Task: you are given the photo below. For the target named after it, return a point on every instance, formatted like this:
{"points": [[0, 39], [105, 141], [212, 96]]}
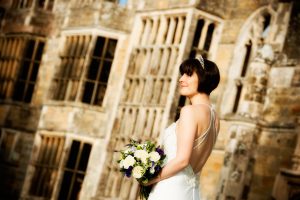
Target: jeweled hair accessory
{"points": [[201, 60]]}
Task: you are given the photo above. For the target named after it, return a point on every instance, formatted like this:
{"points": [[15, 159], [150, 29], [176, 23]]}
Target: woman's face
{"points": [[188, 85]]}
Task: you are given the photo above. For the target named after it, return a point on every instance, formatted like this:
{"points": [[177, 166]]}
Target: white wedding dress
{"points": [[185, 184]]}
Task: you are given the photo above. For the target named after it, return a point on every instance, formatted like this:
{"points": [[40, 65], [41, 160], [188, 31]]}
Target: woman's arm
{"points": [[187, 128]]}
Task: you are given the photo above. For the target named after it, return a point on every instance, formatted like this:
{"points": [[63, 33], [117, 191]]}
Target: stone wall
{"points": [[252, 145]]}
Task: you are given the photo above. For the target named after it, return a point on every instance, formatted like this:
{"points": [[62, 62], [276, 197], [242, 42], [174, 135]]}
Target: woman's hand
{"points": [[149, 183], [153, 181]]}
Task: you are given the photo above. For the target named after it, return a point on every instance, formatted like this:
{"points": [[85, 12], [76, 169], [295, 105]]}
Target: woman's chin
{"points": [[183, 93]]}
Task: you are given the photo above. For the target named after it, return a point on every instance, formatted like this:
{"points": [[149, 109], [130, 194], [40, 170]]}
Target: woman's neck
{"points": [[200, 98]]}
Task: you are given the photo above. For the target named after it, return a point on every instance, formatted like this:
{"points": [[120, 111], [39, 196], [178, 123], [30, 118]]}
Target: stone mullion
{"points": [[132, 121], [141, 59], [91, 41], [150, 120], [179, 30], [146, 32], [165, 91], [171, 31], [155, 60], [164, 61], [116, 179], [133, 64], [157, 123], [172, 60], [125, 188], [139, 32], [156, 89], [214, 41], [154, 30], [135, 95], [12, 47], [72, 55], [108, 182], [142, 90], [148, 90], [141, 122], [146, 63], [123, 122], [5, 65], [163, 28]]}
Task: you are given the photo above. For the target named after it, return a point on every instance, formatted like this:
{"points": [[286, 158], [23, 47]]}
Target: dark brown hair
{"points": [[208, 76]]}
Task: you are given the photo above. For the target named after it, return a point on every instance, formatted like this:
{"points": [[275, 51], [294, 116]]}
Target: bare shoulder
{"points": [[193, 111], [187, 111]]}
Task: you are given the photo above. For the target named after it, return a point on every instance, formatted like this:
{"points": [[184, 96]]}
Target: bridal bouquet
{"points": [[142, 161]]}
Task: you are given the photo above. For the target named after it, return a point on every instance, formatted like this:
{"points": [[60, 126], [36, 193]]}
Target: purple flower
{"points": [[152, 163], [157, 168], [128, 171], [159, 150]]}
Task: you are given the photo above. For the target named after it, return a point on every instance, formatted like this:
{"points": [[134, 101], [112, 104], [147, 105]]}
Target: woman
{"points": [[189, 141]]}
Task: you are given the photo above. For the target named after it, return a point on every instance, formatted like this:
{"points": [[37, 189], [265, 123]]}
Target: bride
{"points": [[189, 141]]}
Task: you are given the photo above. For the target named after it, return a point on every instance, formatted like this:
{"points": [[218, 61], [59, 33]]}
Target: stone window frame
{"points": [[250, 31], [8, 151], [94, 34], [97, 3], [47, 5], [56, 180], [12, 66], [215, 38], [75, 172]]}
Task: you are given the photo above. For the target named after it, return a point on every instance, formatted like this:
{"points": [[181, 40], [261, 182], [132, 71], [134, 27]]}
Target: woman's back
{"points": [[205, 137]]}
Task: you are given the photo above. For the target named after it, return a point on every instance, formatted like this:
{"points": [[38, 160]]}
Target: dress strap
{"points": [[202, 137]]}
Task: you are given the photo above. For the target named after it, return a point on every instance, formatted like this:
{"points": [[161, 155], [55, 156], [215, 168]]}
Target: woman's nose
{"points": [[182, 78]]}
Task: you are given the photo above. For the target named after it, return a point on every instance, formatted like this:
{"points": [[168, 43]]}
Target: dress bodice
{"points": [[169, 142]]}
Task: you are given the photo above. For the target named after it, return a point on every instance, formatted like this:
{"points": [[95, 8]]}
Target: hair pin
{"points": [[201, 60]]}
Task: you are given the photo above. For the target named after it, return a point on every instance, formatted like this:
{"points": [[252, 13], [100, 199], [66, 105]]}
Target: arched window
{"points": [[239, 86], [266, 25]]}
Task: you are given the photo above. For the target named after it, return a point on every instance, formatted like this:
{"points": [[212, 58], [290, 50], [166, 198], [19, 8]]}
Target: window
{"points": [[81, 82], [47, 166], [120, 2], [42, 4], [45, 4], [2, 13], [202, 38], [20, 58], [7, 145], [239, 84], [75, 170]]}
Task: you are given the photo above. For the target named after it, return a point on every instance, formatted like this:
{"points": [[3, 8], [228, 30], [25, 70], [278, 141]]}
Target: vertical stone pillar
{"points": [[238, 162]]}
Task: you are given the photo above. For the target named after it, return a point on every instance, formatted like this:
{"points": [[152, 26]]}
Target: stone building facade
{"points": [[80, 78]]}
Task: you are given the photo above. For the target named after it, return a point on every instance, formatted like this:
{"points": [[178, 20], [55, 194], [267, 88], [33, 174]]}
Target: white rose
{"points": [[152, 170], [129, 161], [121, 164], [137, 172], [142, 154], [127, 151], [154, 156]]}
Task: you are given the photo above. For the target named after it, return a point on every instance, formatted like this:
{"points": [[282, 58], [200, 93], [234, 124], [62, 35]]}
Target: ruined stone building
{"points": [[80, 78]]}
